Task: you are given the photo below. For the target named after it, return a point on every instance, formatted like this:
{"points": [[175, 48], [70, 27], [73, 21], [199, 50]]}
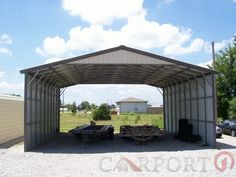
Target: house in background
{"points": [[132, 105]]}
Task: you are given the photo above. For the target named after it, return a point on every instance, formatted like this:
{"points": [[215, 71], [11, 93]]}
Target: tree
{"points": [[232, 108], [226, 79], [74, 108], [93, 106], [101, 113], [85, 105]]}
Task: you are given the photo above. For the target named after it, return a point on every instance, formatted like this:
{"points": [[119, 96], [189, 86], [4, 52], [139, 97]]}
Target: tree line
{"points": [[225, 65], [101, 112]]}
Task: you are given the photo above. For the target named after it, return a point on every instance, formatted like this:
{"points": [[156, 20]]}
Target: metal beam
{"points": [[32, 79], [174, 74], [61, 75]]}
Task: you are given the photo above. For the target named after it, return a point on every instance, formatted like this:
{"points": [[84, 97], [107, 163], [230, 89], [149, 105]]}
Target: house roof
{"points": [[131, 100], [118, 65]]}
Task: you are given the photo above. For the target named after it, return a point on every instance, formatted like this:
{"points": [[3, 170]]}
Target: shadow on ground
{"points": [[226, 142], [67, 143], [11, 143]]}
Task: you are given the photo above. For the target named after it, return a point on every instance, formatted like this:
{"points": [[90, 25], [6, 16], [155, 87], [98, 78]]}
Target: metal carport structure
{"points": [[188, 90]]}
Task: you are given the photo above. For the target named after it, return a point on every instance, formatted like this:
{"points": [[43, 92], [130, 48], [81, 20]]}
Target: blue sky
{"points": [[36, 32]]}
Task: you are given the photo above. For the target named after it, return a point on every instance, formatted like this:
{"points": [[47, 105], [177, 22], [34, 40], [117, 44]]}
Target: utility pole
{"points": [[213, 54], [214, 79]]}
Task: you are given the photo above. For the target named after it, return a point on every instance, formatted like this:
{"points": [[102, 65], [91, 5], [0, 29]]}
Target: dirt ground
{"points": [[64, 155]]}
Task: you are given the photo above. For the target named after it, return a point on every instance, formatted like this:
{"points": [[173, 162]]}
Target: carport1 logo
{"points": [[222, 161]]}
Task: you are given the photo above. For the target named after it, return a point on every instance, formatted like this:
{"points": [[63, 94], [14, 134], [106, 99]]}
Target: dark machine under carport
{"points": [[89, 132], [141, 133]]}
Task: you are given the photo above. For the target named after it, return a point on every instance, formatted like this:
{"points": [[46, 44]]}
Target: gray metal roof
{"points": [[131, 100], [119, 65]]}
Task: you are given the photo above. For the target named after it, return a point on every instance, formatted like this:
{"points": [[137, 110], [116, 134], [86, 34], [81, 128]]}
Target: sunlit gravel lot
{"points": [[165, 156]]}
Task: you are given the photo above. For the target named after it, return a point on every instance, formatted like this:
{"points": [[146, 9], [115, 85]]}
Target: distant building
{"points": [[155, 109], [132, 105], [64, 110]]}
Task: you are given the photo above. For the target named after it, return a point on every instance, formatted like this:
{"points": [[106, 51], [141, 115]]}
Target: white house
{"points": [[132, 105]]}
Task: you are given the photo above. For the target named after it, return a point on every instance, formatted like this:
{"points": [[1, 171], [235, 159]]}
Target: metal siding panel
{"points": [[202, 130], [177, 107], [197, 106], [27, 114], [51, 112], [200, 87], [188, 110], [58, 110], [209, 90], [194, 123], [210, 109], [190, 101], [185, 111], [214, 107], [205, 104], [169, 110], [201, 107], [194, 110], [211, 133], [121, 57], [11, 119], [37, 113], [164, 108], [173, 109]]}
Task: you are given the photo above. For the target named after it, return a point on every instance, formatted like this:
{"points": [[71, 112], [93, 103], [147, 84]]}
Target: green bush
{"points": [[101, 113], [74, 109], [137, 119]]}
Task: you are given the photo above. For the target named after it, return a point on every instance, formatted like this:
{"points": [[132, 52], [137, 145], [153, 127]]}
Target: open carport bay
{"points": [[64, 155], [188, 90]]}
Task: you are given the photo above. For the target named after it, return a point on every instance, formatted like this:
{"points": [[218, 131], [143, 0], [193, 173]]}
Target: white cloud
{"points": [[11, 82], [137, 32], [206, 64], [103, 11], [5, 39], [2, 73], [51, 60], [5, 51], [176, 49], [16, 88], [52, 46], [162, 2]]}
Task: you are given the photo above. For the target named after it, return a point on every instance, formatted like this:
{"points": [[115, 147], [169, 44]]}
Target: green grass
{"points": [[69, 122]]}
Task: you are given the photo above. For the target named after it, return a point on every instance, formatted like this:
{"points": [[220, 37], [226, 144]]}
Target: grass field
{"points": [[69, 122]]}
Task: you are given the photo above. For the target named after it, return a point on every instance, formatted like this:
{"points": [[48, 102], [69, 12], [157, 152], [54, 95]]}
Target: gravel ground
{"points": [[66, 156]]}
